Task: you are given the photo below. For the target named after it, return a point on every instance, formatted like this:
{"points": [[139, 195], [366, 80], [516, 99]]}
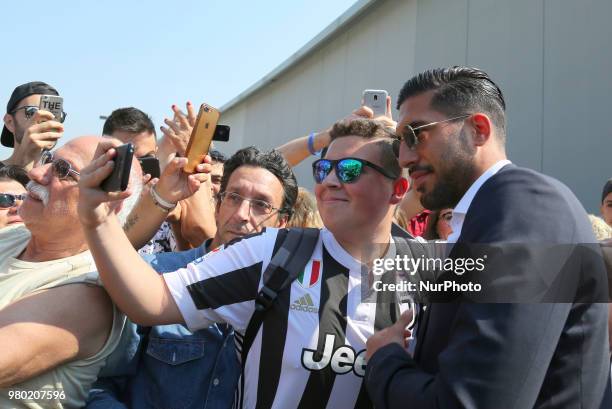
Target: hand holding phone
{"points": [[376, 100], [150, 165], [53, 104], [120, 176], [201, 136]]}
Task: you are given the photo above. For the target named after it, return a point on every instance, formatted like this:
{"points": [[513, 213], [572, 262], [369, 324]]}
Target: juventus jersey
{"points": [[310, 350]]}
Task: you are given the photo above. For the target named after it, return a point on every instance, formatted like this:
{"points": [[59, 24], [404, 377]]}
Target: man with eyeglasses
{"points": [[257, 190], [536, 336], [28, 130], [57, 324]]}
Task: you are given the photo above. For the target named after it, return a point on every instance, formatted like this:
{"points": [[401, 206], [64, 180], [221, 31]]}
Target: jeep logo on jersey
{"points": [[342, 360], [310, 277]]}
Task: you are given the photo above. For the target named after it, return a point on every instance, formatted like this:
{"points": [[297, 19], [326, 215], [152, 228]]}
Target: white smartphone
{"points": [[53, 104], [375, 99]]}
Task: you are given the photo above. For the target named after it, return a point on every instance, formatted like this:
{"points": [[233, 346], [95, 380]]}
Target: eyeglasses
{"points": [[411, 135], [256, 206], [30, 110], [347, 170], [8, 200], [61, 168]]}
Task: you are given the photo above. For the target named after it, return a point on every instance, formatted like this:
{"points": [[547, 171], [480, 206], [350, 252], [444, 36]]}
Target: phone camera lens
{"points": [[375, 97], [206, 109]]}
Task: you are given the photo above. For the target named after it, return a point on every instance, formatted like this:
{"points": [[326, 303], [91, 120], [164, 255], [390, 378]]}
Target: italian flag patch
{"points": [[308, 278]]}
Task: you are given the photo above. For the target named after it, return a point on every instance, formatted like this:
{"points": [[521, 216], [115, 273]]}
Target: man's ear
{"points": [[400, 187], [9, 121], [282, 221], [483, 128]]}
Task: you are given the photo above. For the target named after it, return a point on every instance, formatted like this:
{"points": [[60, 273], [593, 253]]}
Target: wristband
{"points": [[311, 145], [160, 202]]}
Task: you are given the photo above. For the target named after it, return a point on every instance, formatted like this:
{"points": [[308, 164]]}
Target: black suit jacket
{"points": [[510, 355]]}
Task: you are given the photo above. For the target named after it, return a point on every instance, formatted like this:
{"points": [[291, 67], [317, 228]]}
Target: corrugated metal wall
{"points": [[552, 59]]}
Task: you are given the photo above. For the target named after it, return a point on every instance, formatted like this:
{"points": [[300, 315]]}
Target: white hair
{"points": [[129, 203]]}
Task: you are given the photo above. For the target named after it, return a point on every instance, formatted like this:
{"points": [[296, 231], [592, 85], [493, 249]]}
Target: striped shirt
{"points": [[310, 350]]}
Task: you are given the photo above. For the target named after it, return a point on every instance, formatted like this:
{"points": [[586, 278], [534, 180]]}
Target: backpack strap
{"points": [[284, 267]]}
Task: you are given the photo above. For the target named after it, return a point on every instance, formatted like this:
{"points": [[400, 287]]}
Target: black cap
{"points": [[606, 190], [21, 92]]}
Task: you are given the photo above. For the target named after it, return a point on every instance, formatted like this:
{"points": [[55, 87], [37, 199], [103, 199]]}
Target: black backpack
{"points": [[285, 266]]}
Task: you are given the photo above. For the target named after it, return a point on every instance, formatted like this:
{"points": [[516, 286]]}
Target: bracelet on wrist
{"points": [[311, 148], [160, 202]]}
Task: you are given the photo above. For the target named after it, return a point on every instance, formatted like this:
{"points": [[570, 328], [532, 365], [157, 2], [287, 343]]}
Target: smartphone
{"points": [[201, 136], [222, 133], [53, 104], [375, 99], [150, 165], [119, 178]]}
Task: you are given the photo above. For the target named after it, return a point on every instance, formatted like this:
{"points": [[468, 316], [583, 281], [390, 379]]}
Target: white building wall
{"points": [[552, 59]]}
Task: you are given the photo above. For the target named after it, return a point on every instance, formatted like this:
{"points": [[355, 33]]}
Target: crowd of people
{"points": [[182, 291]]}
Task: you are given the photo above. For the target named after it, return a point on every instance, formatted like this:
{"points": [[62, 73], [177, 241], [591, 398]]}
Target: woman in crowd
{"points": [[305, 213], [438, 225]]}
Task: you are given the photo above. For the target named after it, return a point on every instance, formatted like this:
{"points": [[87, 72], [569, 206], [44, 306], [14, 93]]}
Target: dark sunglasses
{"points": [[8, 200], [61, 168], [411, 135], [347, 170], [30, 110]]}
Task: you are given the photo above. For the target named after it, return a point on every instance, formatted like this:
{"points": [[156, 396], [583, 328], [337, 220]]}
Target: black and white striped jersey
{"points": [[310, 350]]}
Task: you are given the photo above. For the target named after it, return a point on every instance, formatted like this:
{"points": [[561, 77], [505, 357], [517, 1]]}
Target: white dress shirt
{"points": [[462, 207]]}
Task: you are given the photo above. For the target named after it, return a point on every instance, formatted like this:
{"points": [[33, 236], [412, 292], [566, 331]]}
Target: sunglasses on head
{"points": [[30, 110], [61, 168], [411, 135], [347, 170], [8, 200]]}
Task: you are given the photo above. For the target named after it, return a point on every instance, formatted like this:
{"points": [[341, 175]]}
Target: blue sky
{"points": [[150, 54]]}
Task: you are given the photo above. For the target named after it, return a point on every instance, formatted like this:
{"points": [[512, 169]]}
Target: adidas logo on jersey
{"points": [[305, 304]]}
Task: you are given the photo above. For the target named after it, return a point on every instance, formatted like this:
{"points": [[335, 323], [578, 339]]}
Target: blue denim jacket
{"points": [[179, 369]]}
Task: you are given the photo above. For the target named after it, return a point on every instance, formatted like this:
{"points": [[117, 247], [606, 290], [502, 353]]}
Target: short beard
{"points": [[18, 134], [454, 175]]}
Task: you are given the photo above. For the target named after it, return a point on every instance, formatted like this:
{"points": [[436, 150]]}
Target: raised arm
{"points": [[197, 219], [296, 150], [134, 286]]}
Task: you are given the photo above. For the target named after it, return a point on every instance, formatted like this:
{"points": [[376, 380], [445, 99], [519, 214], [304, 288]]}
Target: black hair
{"points": [[217, 156], [459, 91], [130, 119], [273, 162], [606, 190], [15, 173]]}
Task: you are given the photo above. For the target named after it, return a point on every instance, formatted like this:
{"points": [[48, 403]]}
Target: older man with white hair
{"points": [[57, 324]]}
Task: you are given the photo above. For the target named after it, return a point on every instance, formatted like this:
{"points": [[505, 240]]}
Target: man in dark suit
{"points": [[509, 354]]}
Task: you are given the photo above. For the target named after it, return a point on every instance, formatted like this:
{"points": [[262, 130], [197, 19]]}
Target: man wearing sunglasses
{"points": [[515, 351], [26, 129], [57, 324], [12, 192]]}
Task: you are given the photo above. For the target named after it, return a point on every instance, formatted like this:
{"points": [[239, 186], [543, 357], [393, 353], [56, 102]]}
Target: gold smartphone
{"points": [[201, 136]]}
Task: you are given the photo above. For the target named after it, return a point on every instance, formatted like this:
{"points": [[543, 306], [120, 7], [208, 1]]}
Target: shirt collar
{"points": [[462, 207]]}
